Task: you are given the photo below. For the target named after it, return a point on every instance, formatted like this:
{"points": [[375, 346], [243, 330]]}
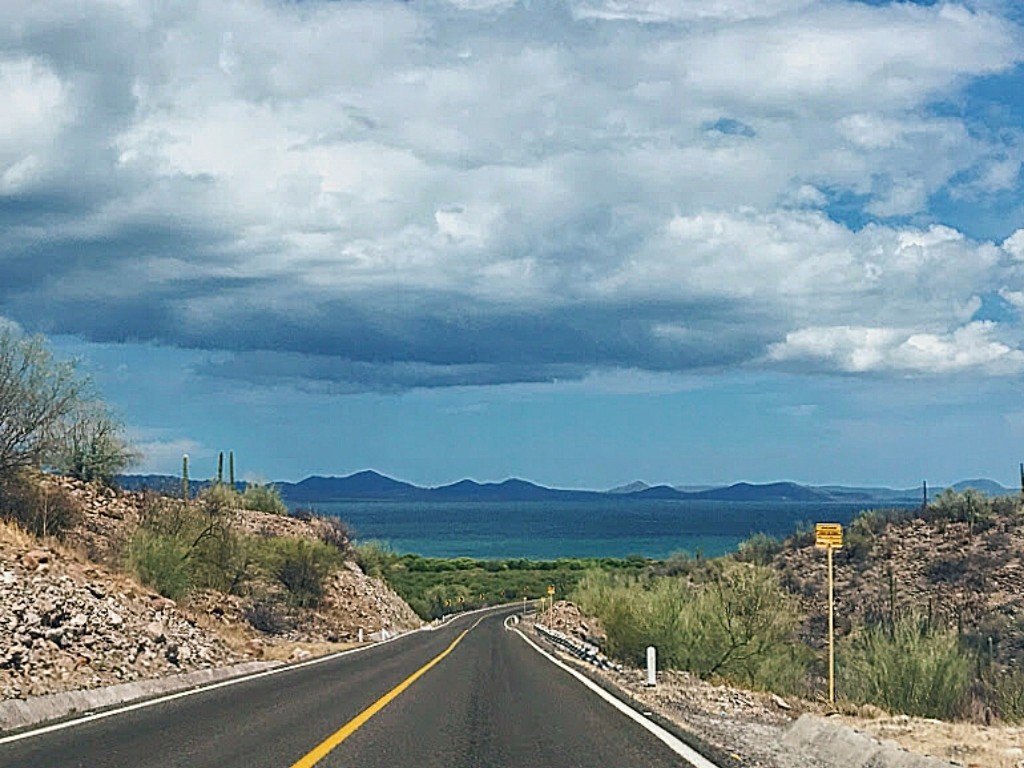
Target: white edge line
{"points": [[231, 681], [683, 750]]}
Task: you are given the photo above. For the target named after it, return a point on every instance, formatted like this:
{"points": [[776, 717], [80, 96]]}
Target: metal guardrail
{"points": [[581, 650]]}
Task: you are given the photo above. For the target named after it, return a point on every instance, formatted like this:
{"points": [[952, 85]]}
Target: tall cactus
{"points": [[924, 494], [184, 478], [1022, 479], [220, 468], [231, 467]]}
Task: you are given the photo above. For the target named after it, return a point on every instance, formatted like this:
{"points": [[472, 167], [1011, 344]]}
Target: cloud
{"points": [[33, 108], [9, 326], [684, 10], [865, 349], [160, 450], [358, 196]]}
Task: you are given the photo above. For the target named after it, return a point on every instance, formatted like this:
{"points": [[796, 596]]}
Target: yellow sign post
{"points": [[551, 602], [829, 536]]}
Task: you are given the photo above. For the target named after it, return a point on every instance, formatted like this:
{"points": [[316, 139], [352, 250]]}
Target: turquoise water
{"points": [[546, 530]]}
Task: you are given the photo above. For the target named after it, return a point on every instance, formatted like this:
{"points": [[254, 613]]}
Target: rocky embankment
{"points": [[71, 618], [65, 624]]}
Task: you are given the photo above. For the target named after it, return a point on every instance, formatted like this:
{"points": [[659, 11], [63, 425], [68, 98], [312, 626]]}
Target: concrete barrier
{"points": [[841, 746], [21, 713]]}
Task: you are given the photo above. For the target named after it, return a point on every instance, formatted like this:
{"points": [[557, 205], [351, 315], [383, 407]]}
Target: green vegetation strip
{"points": [[437, 586]]}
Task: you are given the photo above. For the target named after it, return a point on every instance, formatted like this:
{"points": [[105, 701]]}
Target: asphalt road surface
{"points": [[469, 695]]}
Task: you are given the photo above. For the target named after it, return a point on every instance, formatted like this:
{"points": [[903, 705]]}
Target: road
{"points": [[471, 694]]}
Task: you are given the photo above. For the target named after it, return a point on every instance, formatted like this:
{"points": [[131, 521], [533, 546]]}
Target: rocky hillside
{"points": [[962, 569], [66, 623], [72, 615]]}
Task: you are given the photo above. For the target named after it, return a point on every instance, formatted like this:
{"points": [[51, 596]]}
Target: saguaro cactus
{"points": [[184, 478], [220, 467], [231, 467]]}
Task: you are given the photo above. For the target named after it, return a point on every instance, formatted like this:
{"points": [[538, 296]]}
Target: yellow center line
{"points": [[327, 745]]}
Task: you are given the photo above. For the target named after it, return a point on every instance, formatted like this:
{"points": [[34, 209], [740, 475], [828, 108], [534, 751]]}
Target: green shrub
{"points": [[375, 557], [224, 561], [971, 507], [448, 598], [212, 554], [759, 549], [908, 667], [219, 498], [301, 567], [738, 624], [160, 561], [264, 498], [1007, 695]]}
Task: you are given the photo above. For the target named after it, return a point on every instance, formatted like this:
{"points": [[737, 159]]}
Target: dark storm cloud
{"points": [[384, 196]]}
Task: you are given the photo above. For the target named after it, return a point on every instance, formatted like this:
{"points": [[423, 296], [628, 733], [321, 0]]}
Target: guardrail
{"points": [[581, 650]]}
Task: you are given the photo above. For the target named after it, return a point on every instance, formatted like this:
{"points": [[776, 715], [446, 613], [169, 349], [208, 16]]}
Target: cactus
{"points": [[220, 468], [184, 478], [892, 598], [1022, 479], [924, 494], [231, 467]]}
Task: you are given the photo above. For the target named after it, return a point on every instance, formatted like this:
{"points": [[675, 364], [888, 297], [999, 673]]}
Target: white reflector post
{"points": [[652, 666]]}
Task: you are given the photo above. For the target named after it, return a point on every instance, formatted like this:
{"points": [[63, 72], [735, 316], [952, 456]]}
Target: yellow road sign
{"points": [[828, 535], [551, 589]]}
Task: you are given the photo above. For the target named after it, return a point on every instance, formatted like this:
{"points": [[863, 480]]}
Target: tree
{"points": [[37, 396], [49, 416], [92, 447]]}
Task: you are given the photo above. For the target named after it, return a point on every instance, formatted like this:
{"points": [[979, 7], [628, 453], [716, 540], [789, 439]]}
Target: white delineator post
{"points": [[360, 634], [652, 666]]}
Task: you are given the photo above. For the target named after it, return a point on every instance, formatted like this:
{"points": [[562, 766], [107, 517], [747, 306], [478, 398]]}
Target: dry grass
{"points": [[14, 536], [238, 637], [285, 651], [966, 743]]}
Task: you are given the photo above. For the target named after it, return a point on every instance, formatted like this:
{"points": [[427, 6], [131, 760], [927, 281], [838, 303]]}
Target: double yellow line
{"points": [[325, 747]]}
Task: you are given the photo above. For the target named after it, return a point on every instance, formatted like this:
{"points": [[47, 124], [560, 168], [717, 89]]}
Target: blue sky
{"points": [[582, 242]]}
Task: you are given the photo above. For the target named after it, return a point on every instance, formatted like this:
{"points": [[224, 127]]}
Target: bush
{"points": [[375, 557], [224, 561], [301, 567], [971, 507], [908, 667], [219, 498], [759, 549], [160, 561], [209, 552], [738, 624], [41, 510], [1007, 696], [334, 533], [264, 498], [448, 598], [267, 616]]}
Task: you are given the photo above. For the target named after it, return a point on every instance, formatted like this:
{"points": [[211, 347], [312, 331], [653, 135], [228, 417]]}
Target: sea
{"points": [[549, 530]]}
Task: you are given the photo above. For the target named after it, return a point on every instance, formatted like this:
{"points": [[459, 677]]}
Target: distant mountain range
{"points": [[373, 486]]}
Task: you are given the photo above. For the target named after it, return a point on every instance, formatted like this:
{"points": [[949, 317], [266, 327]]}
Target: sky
{"points": [[582, 242]]}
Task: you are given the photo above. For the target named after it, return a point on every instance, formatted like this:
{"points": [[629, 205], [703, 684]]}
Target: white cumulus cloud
{"points": [[865, 349]]}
